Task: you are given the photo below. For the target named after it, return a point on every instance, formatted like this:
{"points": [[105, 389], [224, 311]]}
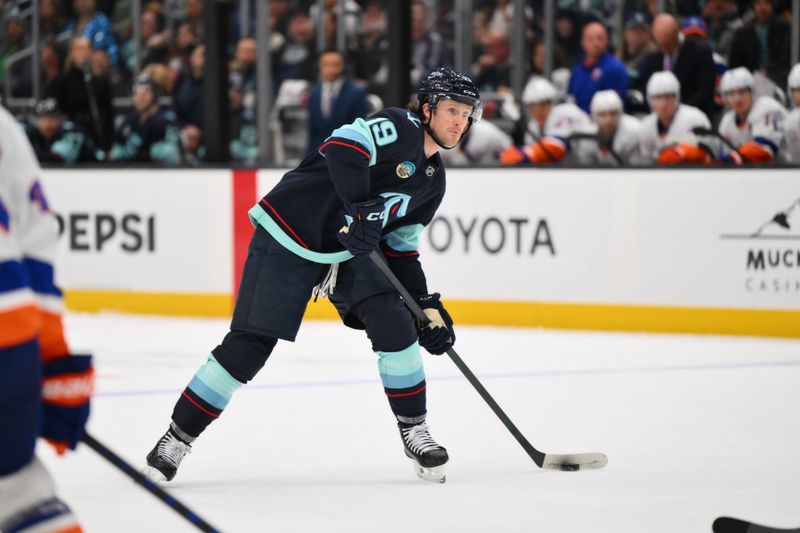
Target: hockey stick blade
{"points": [[571, 462], [725, 524], [566, 462]]}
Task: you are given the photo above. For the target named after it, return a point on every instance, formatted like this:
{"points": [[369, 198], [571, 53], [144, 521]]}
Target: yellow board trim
{"points": [[640, 318]]}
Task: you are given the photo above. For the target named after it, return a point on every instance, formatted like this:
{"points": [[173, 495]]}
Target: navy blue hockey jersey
{"points": [[380, 156]]}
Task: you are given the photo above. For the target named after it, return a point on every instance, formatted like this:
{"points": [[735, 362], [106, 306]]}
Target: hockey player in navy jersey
{"points": [[373, 184]]}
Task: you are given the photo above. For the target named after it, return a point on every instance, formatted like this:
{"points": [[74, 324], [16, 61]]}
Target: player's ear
{"points": [[426, 112]]}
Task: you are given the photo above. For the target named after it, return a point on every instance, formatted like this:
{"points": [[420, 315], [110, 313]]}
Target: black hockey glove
{"points": [[364, 233], [438, 336]]}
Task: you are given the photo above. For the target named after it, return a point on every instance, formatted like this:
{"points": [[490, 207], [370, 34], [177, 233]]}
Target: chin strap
{"points": [[427, 126]]}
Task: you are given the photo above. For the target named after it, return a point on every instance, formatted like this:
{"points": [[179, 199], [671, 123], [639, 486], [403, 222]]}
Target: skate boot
{"points": [[428, 457], [165, 457]]}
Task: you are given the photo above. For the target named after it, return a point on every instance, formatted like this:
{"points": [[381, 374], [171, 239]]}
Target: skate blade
{"points": [[432, 475], [153, 474]]}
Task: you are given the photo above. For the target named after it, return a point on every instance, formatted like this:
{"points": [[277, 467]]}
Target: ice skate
{"points": [[165, 457], [428, 457]]}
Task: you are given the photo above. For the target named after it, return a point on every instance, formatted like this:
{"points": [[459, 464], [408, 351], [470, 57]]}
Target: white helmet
{"points": [[604, 101], [794, 78], [663, 82], [738, 78], [539, 90]]}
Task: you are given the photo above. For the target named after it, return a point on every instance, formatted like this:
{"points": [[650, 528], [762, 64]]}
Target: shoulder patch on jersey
{"points": [[430, 170], [405, 169], [415, 120]]}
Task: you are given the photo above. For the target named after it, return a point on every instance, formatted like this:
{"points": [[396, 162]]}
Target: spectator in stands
{"points": [[160, 75], [537, 58], [194, 16], [689, 60], [244, 62], [763, 44], [85, 95], [296, 57], [101, 67], [501, 17], [51, 19], [722, 20], [567, 41], [52, 63], [334, 101], [372, 63], [188, 96], [56, 140], [154, 45], [18, 73], [192, 149], [493, 67], [182, 46], [428, 49], [598, 70], [244, 138], [667, 134], [148, 134], [95, 26], [637, 44], [352, 14]]}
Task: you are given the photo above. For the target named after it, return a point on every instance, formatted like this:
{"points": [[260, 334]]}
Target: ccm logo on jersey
{"points": [[372, 217]]}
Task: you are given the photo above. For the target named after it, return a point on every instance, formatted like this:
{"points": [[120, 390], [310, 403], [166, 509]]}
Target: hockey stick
{"points": [[699, 130], [148, 485], [724, 524], [569, 462], [596, 138]]}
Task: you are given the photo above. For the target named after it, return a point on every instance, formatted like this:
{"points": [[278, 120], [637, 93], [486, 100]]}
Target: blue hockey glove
{"points": [[438, 336], [364, 233], [66, 390]]}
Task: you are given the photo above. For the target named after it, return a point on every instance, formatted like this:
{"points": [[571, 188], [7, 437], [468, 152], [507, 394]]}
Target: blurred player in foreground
{"points": [[373, 184], [44, 391]]}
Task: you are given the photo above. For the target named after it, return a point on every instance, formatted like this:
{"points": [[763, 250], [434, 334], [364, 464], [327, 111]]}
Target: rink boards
{"points": [[693, 250]]}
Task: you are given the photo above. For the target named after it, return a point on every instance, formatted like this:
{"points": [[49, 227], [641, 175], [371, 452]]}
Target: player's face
{"points": [[664, 106], [449, 121], [607, 122], [540, 111], [796, 96], [739, 100]]}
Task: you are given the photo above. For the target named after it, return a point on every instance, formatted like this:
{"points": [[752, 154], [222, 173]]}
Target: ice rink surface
{"points": [[694, 428]]}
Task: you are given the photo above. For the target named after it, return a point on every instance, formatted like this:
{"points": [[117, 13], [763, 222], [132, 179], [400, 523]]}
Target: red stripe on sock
{"points": [[206, 411], [402, 394]]}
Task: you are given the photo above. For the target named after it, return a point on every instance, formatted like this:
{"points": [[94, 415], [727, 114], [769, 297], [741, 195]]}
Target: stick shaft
{"points": [[148, 485], [410, 301]]}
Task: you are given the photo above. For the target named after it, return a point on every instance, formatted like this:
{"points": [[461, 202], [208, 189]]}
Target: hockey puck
{"points": [[570, 467]]}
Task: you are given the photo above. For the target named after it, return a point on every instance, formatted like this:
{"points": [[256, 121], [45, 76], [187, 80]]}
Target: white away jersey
{"points": [[481, 146], [763, 124], [791, 136], [625, 145], [654, 138]]}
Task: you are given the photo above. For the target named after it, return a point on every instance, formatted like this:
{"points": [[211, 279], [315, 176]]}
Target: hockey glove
{"points": [[364, 233], [67, 388], [438, 336]]}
